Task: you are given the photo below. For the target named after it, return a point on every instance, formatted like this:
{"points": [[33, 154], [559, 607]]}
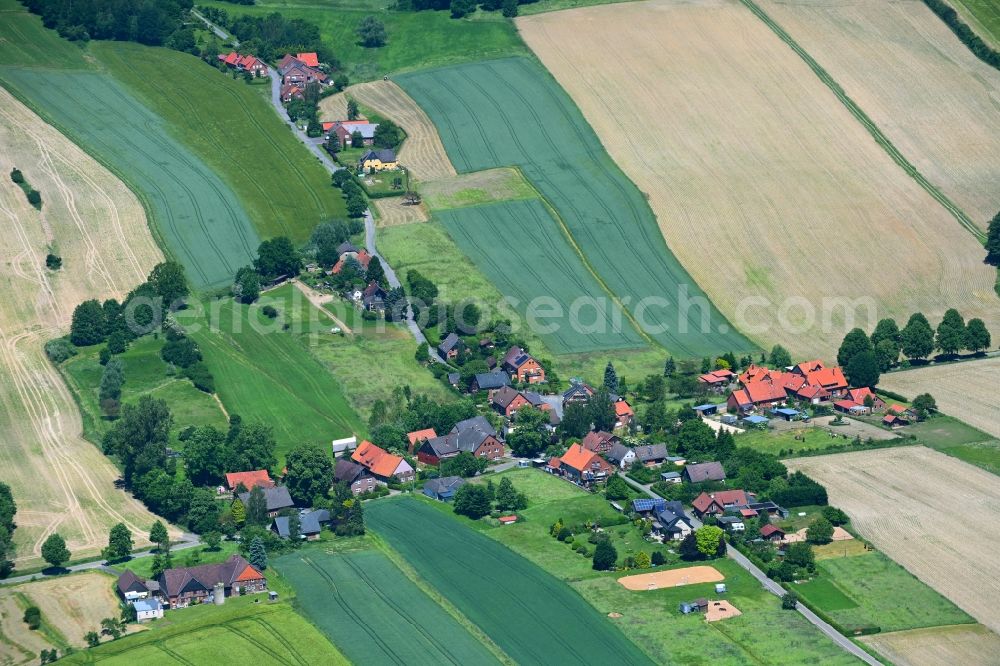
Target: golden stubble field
{"points": [[935, 100], [957, 644], [931, 513], [966, 390], [60, 481], [772, 195]]}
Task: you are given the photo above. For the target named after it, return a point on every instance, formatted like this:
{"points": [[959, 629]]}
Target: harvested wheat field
{"points": [[671, 578], [739, 145], [392, 212], [71, 606], [966, 390], [934, 99], [60, 481], [929, 512], [422, 152], [720, 610], [957, 644]]}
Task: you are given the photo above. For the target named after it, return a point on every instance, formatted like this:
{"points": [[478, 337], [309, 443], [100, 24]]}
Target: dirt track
{"points": [[739, 145], [60, 481], [929, 512]]}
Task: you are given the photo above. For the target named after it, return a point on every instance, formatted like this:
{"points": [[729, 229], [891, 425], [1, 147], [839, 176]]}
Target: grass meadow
{"points": [[530, 615], [872, 590], [374, 613], [510, 112], [415, 39], [985, 15]]}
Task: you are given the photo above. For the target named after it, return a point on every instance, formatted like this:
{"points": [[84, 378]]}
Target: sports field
{"points": [[374, 613], [765, 207], [962, 644], [532, 616], [234, 130], [241, 631], [510, 112], [263, 373], [60, 481], [933, 98], [903, 501], [540, 271], [870, 590], [964, 390]]}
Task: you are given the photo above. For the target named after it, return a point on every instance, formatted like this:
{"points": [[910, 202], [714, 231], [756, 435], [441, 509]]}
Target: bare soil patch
{"points": [[934, 99], [61, 482], [967, 391], [422, 152], [958, 644], [720, 610], [671, 578], [925, 510], [735, 140]]}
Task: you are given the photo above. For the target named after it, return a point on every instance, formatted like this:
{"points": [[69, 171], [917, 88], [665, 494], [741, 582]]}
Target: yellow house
{"points": [[378, 160]]}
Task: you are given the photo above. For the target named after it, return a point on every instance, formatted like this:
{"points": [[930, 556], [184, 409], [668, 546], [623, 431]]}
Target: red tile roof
{"points": [[379, 461], [721, 497], [259, 477], [810, 392], [764, 392], [420, 435], [362, 256], [828, 378], [770, 530], [578, 457], [622, 409]]}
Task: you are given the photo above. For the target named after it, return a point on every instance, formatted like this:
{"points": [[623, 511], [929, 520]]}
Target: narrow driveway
{"points": [[187, 541], [219, 32], [776, 589]]}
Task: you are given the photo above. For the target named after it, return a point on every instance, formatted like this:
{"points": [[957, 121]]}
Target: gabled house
{"points": [[418, 436], [621, 455], [344, 131], [277, 499], [310, 59], [506, 400], [812, 394], [583, 466], [716, 503], [860, 395], [361, 256], [443, 489], [294, 71], [578, 391], [451, 346], [772, 533], [260, 477], [310, 525], [898, 416], [651, 455], [623, 413], [475, 436], [290, 91], [701, 472], [600, 442], [717, 379], [383, 159], [672, 522], [851, 407], [148, 609], [755, 394], [817, 374], [383, 465], [182, 586], [522, 366], [245, 63], [490, 381], [355, 475], [131, 588], [373, 297]]}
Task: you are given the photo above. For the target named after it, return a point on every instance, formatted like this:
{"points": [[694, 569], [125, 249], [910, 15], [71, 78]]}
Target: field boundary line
{"points": [[413, 576], [862, 117]]}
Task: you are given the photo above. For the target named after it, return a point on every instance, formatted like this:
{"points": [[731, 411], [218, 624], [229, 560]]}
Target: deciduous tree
{"points": [[855, 342], [779, 357], [257, 508], [169, 282], [820, 532], [472, 500], [616, 488], [605, 556], [87, 326], [950, 333], [158, 535], [119, 543], [707, 539], [862, 369], [54, 550], [309, 475], [205, 455], [917, 337], [993, 241], [508, 498], [529, 436], [977, 337]]}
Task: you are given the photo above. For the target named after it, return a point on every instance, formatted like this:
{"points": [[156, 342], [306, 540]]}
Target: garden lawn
{"points": [[532, 616], [233, 129], [262, 372], [146, 373], [374, 613], [246, 630], [416, 39], [511, 112], [875, 591], [783, 443]]}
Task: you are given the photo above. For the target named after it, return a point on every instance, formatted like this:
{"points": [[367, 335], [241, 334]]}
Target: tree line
{"points": [[150, 22], [981, 49]]}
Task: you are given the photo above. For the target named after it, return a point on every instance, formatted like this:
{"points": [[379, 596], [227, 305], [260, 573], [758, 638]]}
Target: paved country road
{"points": [[774, 588]]}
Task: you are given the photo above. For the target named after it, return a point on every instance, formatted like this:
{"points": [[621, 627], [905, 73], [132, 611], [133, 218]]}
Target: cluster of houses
{"points": [[184, 586], [297, 71], [245, 63]]}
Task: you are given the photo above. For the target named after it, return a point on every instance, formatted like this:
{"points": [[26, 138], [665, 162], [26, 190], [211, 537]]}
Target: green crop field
{"points": [[540, 267], [416, 39], [262, 372], [374, 613], [511, 112], [240, 632], [233, 129], [983, 16], [532, 616], [145, 374], [872, 590]]}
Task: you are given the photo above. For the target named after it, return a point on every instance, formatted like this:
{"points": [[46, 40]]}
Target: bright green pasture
{"points": [[985, 18], [511, 112], [374, 613], [233, 129], [532, 616]]}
